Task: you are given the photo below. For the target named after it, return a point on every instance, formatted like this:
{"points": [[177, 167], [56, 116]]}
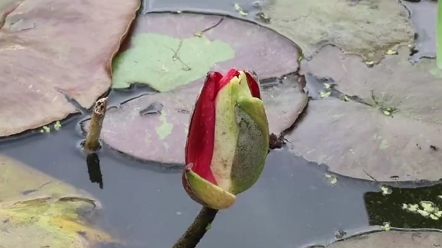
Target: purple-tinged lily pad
{"points": [[51, 47], [399, 132], [154, 127], [392, 239], [171, 50]]}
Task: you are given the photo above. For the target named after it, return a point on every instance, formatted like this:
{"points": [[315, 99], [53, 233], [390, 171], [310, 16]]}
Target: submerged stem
{"points": [[92, 142], [196, 231], [439, 35]]}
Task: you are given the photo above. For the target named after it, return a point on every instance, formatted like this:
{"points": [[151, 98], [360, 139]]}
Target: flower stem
{"points": [[92, 142], [196, 231], [439, 35]]}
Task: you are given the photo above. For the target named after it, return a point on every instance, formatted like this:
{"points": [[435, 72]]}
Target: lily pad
{"points": [[355, 138], [171, 50], [54, 48], [392, 239], [368, 28], [154, 127], [39, 211]]}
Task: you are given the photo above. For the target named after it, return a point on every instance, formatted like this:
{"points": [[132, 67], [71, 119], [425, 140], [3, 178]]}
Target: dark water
{"points": [[292, 205]]}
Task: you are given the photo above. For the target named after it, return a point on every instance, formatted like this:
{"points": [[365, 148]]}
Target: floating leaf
{"points": [[39, 211], [391, 239], [343, 131], [54, 46], [366, 29], [161, 135]]}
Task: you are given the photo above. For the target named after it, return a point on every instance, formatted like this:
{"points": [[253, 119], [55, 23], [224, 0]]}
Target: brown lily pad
{"points": [[399, 134], [392, 239], [51, 48], [39, 211], [368, 28]]}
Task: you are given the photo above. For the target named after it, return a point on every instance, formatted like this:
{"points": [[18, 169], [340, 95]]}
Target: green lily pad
{"points": [[355, 138], [39, 211], [367, 28], [50, 49], [170, 50], [392, 239]]}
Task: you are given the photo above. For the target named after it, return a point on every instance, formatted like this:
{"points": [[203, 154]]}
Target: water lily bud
{"points": [[228, 139]]}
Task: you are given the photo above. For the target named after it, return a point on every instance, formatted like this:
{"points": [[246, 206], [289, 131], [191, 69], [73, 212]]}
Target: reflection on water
{"points": [[94, 170]]}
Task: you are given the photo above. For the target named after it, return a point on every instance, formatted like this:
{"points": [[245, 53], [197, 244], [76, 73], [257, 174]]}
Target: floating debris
{"points": [[369, 63], [388, 111], [240, 10], [386, 190], [425, 209], [300, 57], [57, 125], [261, 16], [386, 227], [45, 129], [208, 226], [429, 206], [325, 94], [391, 52], [340, 234], [332, 179]]}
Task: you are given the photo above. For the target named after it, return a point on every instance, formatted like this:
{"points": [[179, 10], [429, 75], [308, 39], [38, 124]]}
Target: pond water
{"points": [[295, 203]]}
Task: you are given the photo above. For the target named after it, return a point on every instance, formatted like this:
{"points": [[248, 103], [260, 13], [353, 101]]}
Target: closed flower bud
{"points": [[228, 139]]}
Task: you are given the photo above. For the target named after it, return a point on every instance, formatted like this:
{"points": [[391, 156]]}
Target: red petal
{"points": [[201, 136], [253, 86], [226, 79]]}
